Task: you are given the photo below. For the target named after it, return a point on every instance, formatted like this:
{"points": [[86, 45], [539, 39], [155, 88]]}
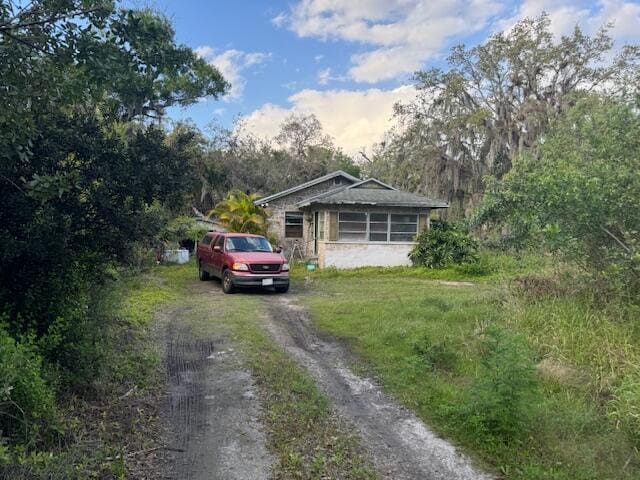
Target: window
{"points": [[352, 226], [293, 224], [379, 227], [248, 244], [320, 225], [207, 239], [403, 228], [219, 241]]}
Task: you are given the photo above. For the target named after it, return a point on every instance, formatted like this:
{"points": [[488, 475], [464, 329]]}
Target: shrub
{"points": [[437, 355], [444, 244], [27, 402], [502, 401]]}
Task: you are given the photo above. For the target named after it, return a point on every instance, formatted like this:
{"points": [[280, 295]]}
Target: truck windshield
{"points": [[248, 244]]}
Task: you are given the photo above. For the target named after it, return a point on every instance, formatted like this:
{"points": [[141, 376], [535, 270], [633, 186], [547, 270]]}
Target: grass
{"points": [[426, 342], [492, 268]]}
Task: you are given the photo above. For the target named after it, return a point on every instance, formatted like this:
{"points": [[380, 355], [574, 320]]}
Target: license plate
{"points": [[267, 282]]}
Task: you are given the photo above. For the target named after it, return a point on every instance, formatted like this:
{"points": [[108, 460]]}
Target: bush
{"points": [[27, 402], [437, 355], [502, 401], [444, 244]]}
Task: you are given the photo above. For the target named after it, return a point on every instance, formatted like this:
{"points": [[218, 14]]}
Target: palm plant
{"points": [[239, 213]]}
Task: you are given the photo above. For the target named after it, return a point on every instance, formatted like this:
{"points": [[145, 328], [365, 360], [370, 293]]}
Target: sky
{"points": [[349, 61]]}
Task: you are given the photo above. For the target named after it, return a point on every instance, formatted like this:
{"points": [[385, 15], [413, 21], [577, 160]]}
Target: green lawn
{"points": [[567, 374]]}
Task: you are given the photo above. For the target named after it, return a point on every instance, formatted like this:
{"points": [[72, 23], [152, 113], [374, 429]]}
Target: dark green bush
{"points": [[444, 244], [502, 402], [27, 402]]}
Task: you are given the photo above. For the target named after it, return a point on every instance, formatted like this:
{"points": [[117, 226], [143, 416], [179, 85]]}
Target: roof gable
{"points": [[310, 183], [372, 183]]}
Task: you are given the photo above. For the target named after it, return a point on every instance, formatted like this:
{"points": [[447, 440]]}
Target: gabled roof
{"points": [[310, 183], [362, 183], [386, 196]]}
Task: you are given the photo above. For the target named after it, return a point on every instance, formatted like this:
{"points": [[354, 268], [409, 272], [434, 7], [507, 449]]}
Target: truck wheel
{"points": [[227, 282], [282, 289], [202, 275]]}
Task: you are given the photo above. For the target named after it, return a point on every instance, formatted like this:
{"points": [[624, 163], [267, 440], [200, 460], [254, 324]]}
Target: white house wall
{"points": [[353, 255]]}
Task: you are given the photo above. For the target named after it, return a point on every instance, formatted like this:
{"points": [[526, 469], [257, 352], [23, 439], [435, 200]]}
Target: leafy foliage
{"points": [[501, 402], [79, 166], [239, 213], [444, 244], [578, 197], [26, 401]]}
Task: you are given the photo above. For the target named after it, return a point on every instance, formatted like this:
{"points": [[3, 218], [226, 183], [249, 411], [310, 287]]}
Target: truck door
{"points": [[217, 255]]}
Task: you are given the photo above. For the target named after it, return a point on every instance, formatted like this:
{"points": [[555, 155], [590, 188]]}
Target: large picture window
{"points": [[377, 227], [293, 222]]}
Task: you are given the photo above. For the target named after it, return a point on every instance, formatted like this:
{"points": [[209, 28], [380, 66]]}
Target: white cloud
{"points": [[231, 63], [324, 76], [355, 119], [589, 15], [402, 33]]}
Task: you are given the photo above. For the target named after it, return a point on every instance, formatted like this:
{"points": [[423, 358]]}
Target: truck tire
{"points": [[282, 289], [202, 275], [227, 282]]}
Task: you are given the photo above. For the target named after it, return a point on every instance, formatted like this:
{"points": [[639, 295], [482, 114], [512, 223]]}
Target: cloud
{"points": [[402, 34], [355, 119], [325, 76], [231, 63], [589, 15]]}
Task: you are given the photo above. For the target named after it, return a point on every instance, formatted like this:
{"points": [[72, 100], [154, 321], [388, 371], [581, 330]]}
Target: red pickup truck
{"points": [[241, 260]]}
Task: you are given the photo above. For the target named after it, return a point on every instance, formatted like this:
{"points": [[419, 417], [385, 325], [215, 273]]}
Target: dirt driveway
{"points": [[216, 416]]}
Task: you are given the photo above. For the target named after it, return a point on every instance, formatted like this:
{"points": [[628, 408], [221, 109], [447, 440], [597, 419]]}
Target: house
{"points": [[347, 222]]}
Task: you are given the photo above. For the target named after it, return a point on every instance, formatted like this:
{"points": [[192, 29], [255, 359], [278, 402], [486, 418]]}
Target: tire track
{"points": [[399, 443]]}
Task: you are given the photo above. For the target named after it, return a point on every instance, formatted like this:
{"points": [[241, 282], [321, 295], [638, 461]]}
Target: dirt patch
{"points": [[450, 283], [213, 411], [399, 443]]}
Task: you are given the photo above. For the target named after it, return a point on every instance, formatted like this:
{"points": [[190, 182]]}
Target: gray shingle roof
{"points": [[311, 183], [373, 196]]}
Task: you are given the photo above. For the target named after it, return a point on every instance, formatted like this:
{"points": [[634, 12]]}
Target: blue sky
{"points": [[348, 61]]}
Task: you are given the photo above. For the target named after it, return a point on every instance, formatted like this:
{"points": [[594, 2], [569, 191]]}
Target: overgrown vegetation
{"points": [[81, 168], [531, 377], [576, 197], [443, 245]]}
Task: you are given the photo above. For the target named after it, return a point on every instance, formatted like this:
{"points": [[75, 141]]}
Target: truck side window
{"points": [[207, 239], [219, 241]]}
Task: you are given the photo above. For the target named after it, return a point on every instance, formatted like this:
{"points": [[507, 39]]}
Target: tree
{"points": [[80, 161], [580, 195], [496, 101], [239, 213]]}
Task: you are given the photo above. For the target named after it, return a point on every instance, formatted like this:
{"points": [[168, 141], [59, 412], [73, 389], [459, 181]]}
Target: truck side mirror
{"points": [[216, 248], [278, 250]]}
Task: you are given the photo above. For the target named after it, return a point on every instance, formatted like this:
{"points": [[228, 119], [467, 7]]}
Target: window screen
{"points": [[379, 227], [403, 228], [352, 226], [293, 224]]}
